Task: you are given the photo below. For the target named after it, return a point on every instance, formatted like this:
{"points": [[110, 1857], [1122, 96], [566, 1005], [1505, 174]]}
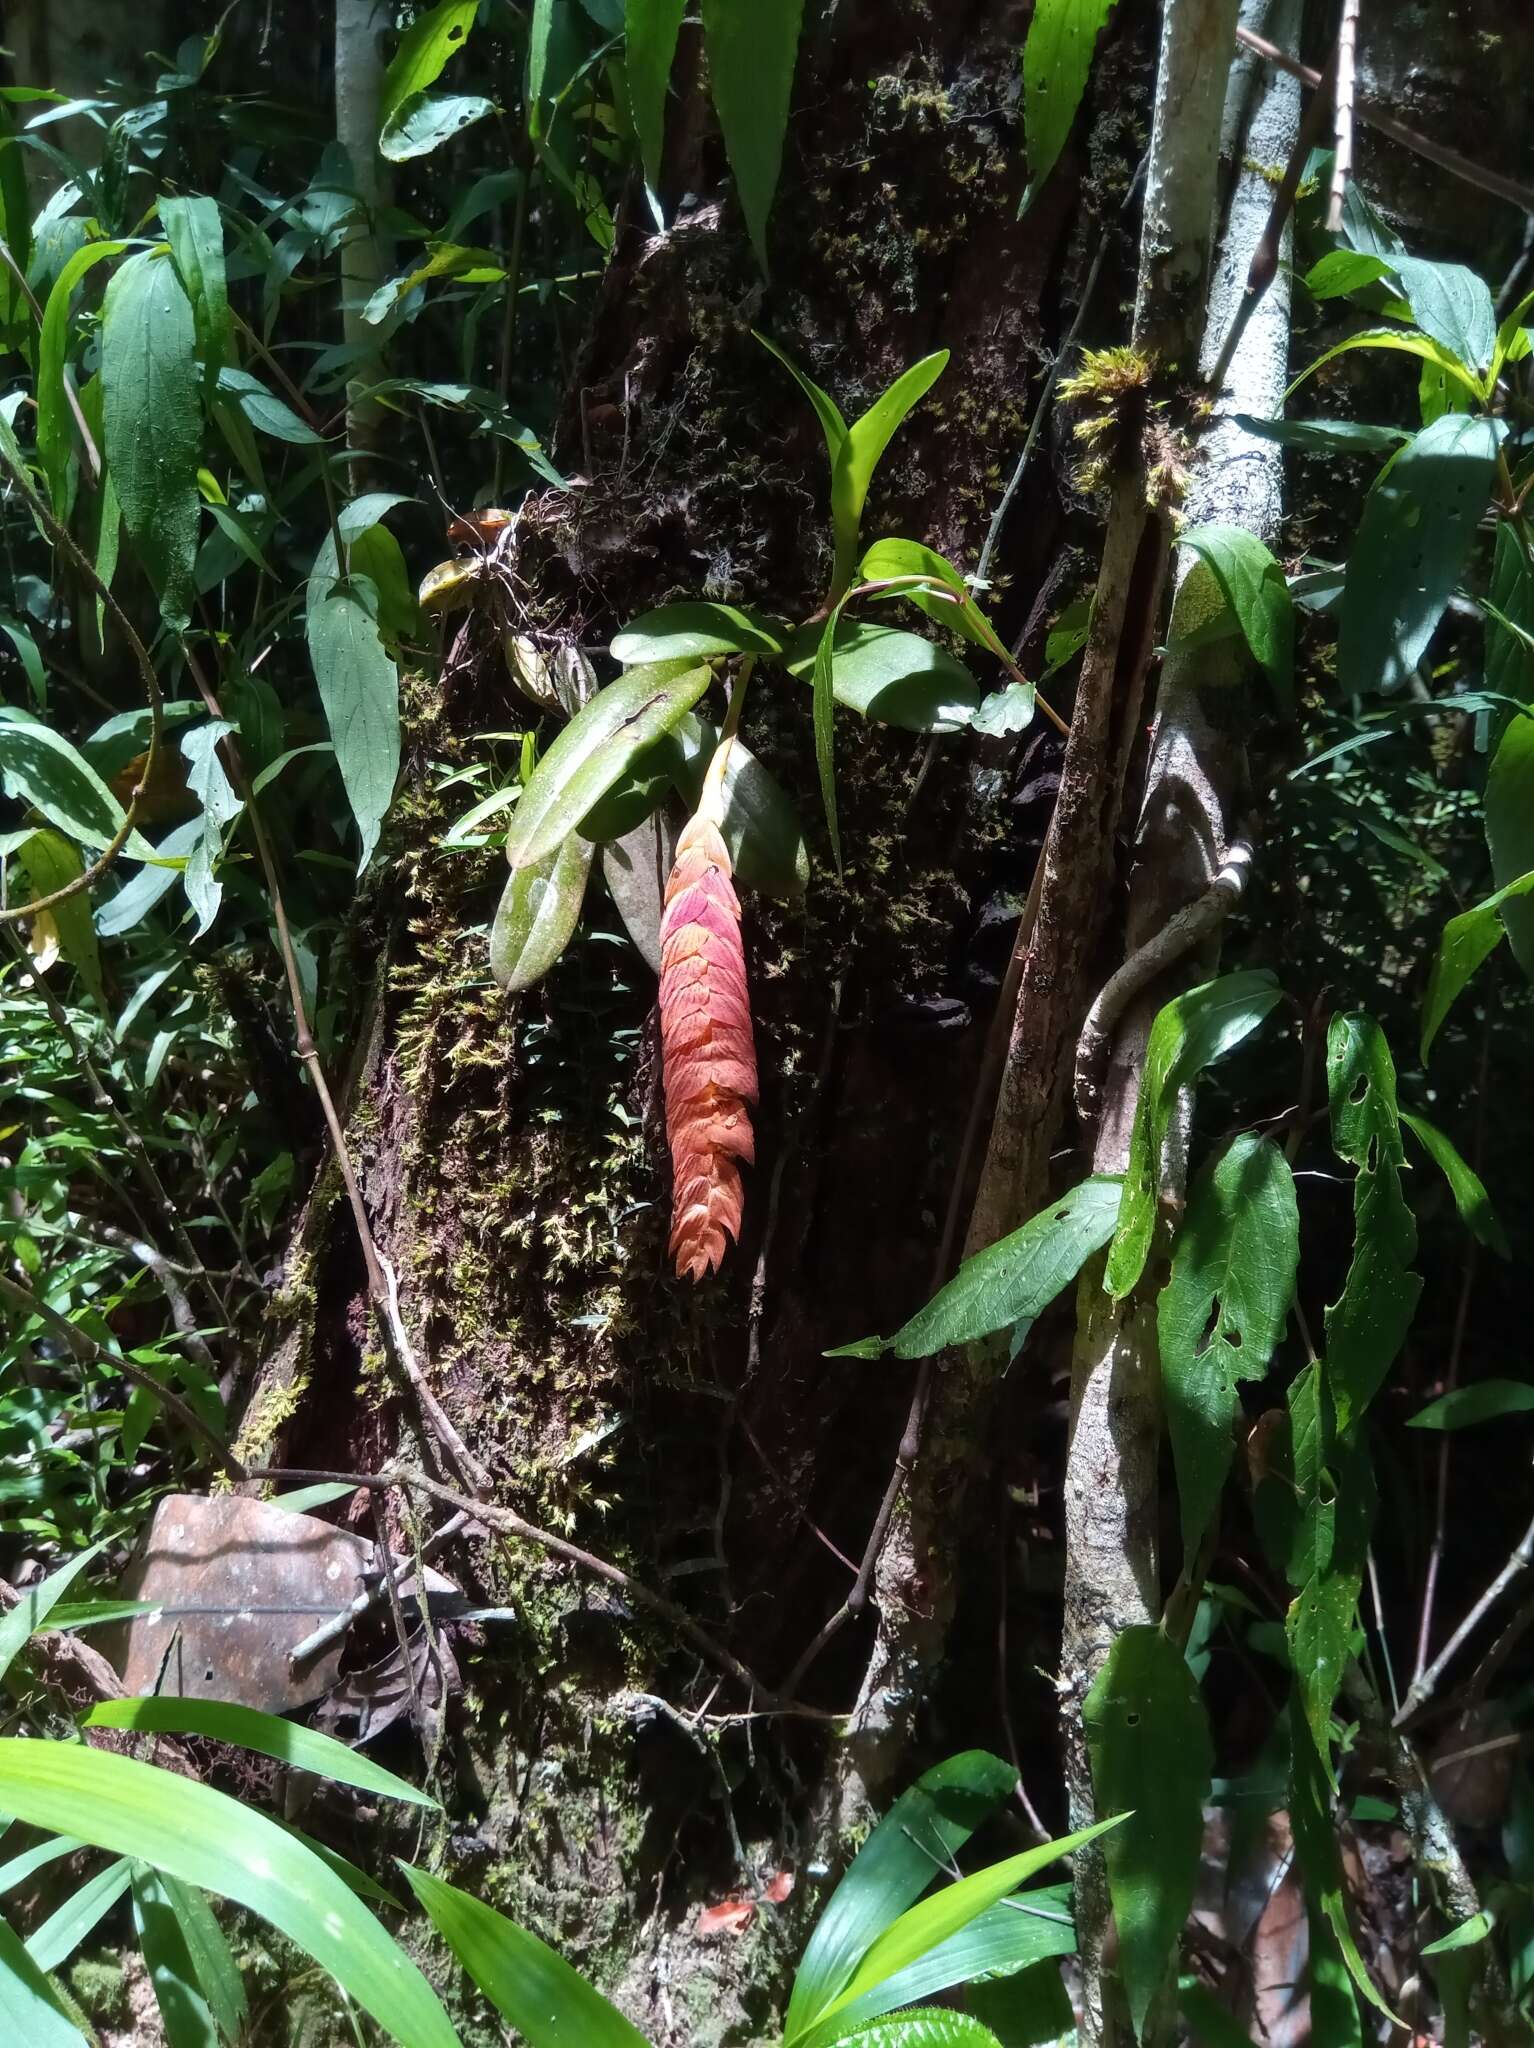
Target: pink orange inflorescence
{"points": [[707, 1050]]}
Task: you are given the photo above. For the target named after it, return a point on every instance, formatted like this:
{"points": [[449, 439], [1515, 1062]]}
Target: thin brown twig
{"points": [[1423, 1687], [1450, 160], [1346, 57], [1263, 267]]}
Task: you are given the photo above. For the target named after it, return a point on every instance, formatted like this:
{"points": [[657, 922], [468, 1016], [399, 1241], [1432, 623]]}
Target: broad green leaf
{"points": [[823, 683], [1510, 832], [650, 33], [1403, 342], [1222, 1312], [1020, 1932], [136, 898], [1342, 271], [539, 910], [1486, 1401], [1028, 2008], [152, 416], [1011, 1281], [892, 677], [1324, 437], [1418, 525], [1465, 1184], [694, 629], [959, 613], [205, 1838], [597, 747], [52, 863], [853, 466], [426, 121], [36, 1603], [359, 688], [424, 49], [761, 826], [28, 2011], [751, 52], [184, 2014], [1452, 307], [1190, 1033], [1148, 1737], [71, 1923], [908, 1849], [832, 425], [195, 231], [1467, 941], [1253, 586], [363, 514], [40, 767], [1316, 1844], [1005, 711], [303, 1749], [934, 2027], [1319, 1629], [266, 412], [532, 1988], [1468, 1934], [1367, 1325], [55, 423], [933, 1920], [1057, 58]]}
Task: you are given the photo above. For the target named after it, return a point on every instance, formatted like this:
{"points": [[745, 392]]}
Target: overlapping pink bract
{"points": [[708, 1055]]}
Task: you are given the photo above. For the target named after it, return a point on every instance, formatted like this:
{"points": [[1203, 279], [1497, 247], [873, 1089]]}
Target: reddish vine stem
{"points": [[1450, 160]]}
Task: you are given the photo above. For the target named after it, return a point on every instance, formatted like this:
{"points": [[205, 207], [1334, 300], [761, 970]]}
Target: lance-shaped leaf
{"points": [[152, 419], [1010, 1282], [208, 1839], [1320, 1859], [195, 231], [1486, 1401], [1465, 1184], [650, 33], [1366, 1327], [695, 628], [539, 910], [41, 767], [751, 52], [29, 2009], [1466, 941], [908, 1849], [1222, 1311], [832, 425], [1057, 58], [1148, 1736], [359, 688], [184, 2012], [55, 423], [947, 598], [1418, 524], [857, 458], [1190, 1033], [1510, 832], [532, 1988], [595, 749]]}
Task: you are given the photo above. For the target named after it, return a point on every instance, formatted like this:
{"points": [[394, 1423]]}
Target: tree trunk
{"points": [[510, 1149]]}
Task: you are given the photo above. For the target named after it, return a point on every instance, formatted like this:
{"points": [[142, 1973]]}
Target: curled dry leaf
{"points": [[734, 1915], [706, 1042]]}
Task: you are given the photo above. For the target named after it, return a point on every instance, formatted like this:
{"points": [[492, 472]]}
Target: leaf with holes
{"points": [[1222, 1312], [425, 122], [1011, 1281], [424, 49], [1418, 525], [1057, 58], [1190, 1033], [1148, 1737]]}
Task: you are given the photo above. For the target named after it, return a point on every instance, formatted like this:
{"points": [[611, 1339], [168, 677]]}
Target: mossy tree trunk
{"points": [[510, 1148]]}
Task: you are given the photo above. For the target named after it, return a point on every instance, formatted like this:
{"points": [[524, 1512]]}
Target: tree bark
{"points": [[1196, 774]]}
